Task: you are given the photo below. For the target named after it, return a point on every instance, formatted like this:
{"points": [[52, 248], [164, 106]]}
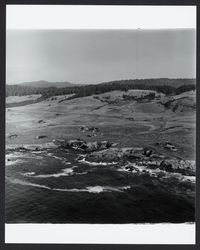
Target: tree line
{"points": [[166, 86]]}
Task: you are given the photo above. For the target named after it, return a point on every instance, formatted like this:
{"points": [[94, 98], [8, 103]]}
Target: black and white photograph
{"points": [[101, 121]]}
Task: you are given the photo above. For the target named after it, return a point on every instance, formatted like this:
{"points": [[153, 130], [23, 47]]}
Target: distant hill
{"points": [[46, 89], [172, 82], [46, 84]]}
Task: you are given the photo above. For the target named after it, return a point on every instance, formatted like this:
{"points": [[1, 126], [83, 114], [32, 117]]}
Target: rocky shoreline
{"points": [[104, 153]]}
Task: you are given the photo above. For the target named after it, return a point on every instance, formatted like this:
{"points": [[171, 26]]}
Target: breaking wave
{"points": [[64, 172], [90, 189], [96, 163]]}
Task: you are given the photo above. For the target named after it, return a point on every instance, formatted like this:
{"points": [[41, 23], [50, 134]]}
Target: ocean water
{"points": [[51, 186]]}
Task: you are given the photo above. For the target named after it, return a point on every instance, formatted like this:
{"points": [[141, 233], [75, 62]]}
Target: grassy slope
{"points": [[152, 122]]}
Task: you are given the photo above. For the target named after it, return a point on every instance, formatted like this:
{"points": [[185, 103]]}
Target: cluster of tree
{"points": [[23, 103], [17, 90], [166, 86], [184, 88], [148, 97]]}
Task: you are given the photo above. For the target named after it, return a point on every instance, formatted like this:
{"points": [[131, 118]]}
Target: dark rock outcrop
{"points": [[168, 145], [115, 155], [185, 167], [92, 130], [148, 152], [41, 136], [83, 145]]}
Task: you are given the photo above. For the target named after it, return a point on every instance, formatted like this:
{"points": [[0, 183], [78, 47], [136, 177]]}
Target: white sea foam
{"points": [[96, 163], [26, 183], [29, 174], [100, 189], [70, 190], [90, 189], [93, 189], [15, 155], [125, 187], [190, 178], [54, 156], [155, 172], [64, 172], [62, 159], [11, 159], [38, 152], [14, 162]]}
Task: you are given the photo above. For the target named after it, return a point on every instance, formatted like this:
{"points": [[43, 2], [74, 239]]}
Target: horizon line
{"points": [[130, 79]]}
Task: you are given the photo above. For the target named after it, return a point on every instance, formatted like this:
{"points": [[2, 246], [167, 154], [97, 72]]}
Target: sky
{"points": [[94, 56]]}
